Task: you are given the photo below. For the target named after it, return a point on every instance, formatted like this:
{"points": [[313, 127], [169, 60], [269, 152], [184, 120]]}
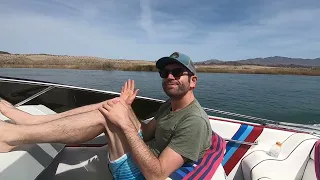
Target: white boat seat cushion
{"points": [[309, 173], [28, 161], [219, 174], [289, 165]]}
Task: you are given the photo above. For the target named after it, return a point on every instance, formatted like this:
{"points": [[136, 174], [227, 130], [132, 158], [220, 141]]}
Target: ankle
{"points": [[4, 147], [8, 133]]}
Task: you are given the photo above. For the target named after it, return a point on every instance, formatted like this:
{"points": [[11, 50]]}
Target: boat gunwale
{"points": [[59, 85], [262, 123]]}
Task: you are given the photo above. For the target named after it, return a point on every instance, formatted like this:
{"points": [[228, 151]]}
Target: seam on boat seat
{"points": [[305, 167], [264, 150], [247, 156], [279, 159], [263, 177]]}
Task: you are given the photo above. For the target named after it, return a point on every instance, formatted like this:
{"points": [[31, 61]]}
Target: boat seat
{"points": [[28, 161], [290, 164], [309, 173], [207, 167]]}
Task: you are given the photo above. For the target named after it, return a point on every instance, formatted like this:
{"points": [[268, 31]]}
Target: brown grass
{"points": [[82, 62], [247, 69]]}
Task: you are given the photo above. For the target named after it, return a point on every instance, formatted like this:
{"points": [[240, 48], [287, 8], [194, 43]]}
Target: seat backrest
{"points": [[290, 164], [207, 166], [310, 172]]}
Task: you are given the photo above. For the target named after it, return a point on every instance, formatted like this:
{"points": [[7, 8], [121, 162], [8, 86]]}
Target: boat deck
{"points": [[244, 159]]}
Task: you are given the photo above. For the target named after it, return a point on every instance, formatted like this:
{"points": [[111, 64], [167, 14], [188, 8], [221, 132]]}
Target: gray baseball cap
{"points": [[177, 57]]}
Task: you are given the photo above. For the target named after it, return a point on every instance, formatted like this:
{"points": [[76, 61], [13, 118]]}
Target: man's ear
{"points": [[193, 81], [194, 78]]}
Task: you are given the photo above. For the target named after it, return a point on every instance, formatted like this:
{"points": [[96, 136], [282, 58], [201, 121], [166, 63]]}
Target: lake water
{"points": [[276, 97]]}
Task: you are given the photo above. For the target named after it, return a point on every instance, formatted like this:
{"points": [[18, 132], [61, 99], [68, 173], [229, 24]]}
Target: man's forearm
{"points": [[135, 121], [148, 163], [148, 133]]}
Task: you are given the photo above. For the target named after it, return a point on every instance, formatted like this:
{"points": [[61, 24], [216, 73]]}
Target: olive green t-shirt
{"points": [[187, 131]]}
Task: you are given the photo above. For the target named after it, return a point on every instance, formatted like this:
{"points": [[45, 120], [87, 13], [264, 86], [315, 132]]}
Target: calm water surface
{"points": [[276, 97]]}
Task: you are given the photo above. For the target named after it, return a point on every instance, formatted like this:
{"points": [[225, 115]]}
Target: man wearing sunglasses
{"points": [[180, 131]]}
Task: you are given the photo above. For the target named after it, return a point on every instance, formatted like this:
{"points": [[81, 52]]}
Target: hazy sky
{"points": [[148, 30]]}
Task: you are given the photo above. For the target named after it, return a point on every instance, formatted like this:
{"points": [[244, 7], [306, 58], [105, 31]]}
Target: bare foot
{"points": [[5, 106], [4, 147], [7, 109], [4, 133], [14, 114]]}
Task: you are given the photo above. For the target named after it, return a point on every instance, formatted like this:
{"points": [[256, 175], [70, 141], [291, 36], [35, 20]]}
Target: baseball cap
{"points": [[177, 57]]}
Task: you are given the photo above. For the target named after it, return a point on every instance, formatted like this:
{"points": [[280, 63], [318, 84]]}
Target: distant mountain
{"points": [[211, 61], [3, 52], [268, 61]]}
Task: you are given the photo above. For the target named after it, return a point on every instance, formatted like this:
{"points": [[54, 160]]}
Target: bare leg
{"points": [[5, 131], [23, 118], [72, 129], [117, 143], [20, 117]]}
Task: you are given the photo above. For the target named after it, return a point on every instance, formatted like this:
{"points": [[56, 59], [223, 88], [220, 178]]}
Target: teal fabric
{"points": [[125, 168]]}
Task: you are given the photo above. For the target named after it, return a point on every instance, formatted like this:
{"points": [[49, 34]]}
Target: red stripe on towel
{"points": [[242, 150], [218, 161], [203, 160], [216, 151], [210, 155]]}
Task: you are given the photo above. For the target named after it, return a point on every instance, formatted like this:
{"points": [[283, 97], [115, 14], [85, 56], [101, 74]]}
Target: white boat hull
{"points": [[245, 157]]}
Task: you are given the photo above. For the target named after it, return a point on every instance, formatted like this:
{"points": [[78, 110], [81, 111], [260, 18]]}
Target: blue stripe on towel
{"points": [[233, 149]]}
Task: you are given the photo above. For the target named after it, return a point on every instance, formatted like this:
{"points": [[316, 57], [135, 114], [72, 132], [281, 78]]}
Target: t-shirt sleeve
{"points": [[190, 137]]}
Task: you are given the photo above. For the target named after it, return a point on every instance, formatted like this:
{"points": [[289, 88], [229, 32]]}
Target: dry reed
{"points": [[71, 62]]}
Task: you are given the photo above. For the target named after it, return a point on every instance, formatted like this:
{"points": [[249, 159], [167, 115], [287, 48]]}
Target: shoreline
{"points": [[213, 69], [92, 63]]}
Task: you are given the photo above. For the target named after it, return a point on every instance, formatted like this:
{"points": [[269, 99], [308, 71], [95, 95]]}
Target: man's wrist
{"points": [[128, 128]]}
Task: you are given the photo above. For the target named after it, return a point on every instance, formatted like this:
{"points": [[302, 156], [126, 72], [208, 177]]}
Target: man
{"points": [[179, 133]]}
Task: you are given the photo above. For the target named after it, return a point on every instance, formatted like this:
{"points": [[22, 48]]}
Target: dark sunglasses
{"points": [[177, 72]]}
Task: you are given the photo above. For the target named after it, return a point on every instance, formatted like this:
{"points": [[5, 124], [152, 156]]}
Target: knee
{"points": [[99, 118]]}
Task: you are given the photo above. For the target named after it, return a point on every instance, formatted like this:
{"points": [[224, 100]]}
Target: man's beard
{"points": [[177, 92]]}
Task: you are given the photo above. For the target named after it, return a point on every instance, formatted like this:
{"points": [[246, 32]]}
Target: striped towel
{"points": [[317, 159], [205, 167], [235, 151]]}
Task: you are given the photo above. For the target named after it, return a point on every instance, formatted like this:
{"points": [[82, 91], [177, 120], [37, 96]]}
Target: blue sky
{"points": [[148, 30]]}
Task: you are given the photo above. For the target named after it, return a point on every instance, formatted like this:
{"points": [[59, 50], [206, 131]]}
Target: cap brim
{"points": [[162, 62]]}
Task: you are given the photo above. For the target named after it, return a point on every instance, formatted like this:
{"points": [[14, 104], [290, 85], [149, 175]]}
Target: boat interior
{"points": [[245, 156]]}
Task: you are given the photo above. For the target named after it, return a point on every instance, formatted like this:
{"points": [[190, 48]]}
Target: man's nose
{"points": [[170, 76]]}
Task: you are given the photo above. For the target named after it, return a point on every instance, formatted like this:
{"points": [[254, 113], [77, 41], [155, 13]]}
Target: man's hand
{"points": [[128, 94], [117, 111]]}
